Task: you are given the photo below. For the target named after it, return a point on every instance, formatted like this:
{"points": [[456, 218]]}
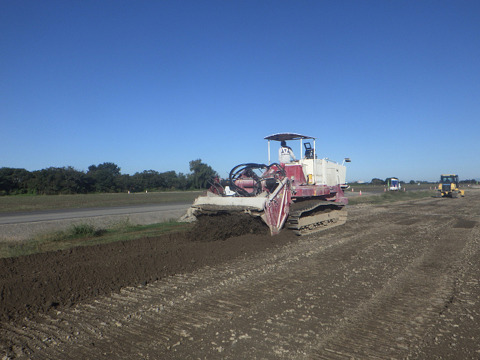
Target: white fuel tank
{"points": [[324, 171]]}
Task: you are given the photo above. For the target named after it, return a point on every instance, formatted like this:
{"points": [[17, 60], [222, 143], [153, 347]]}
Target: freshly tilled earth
{"points": [[397, 281]]}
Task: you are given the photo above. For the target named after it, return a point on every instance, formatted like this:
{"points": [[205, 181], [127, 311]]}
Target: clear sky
{"points": [[152, 85]]}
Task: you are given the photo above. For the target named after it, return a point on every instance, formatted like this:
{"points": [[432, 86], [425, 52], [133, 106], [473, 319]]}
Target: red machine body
{"points": [[306, 195]]}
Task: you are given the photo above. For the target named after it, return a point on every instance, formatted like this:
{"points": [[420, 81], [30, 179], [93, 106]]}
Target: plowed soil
{"points": [[396, 281]]}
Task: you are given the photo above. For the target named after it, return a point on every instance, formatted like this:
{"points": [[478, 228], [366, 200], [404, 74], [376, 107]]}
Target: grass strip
{"points": [[85, 234], [18, 203]]}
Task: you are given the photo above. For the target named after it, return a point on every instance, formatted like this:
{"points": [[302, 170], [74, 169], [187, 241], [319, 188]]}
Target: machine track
{"points": [[311, 216]]}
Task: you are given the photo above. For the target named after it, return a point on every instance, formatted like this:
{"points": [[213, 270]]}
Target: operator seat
{"points": [[309, 153]]}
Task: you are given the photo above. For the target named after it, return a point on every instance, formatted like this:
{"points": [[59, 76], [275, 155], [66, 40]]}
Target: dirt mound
{"points": [[35, 284], [224, 226]]}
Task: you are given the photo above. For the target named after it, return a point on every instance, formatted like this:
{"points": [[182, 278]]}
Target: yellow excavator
{"points": [[448, 186]]}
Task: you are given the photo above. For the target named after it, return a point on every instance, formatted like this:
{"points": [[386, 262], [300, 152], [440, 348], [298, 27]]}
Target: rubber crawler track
{"points": [[311, 216]]}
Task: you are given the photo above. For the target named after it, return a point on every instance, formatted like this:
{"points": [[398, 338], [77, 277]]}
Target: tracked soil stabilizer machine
{"points": [[304, 195]]}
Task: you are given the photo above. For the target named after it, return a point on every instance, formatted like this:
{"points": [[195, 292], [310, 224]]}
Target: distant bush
{"points": [[84, 230]]}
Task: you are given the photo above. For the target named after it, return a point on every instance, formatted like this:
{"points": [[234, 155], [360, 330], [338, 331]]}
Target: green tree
{"points": [[106, 177], [14, 181], [201, 174], [168, 180], [125, 182], [181, 182], [65, 180]]}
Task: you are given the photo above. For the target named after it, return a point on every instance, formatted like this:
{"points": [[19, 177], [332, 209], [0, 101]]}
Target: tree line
{"points": [[377, 181], [102, 178]]}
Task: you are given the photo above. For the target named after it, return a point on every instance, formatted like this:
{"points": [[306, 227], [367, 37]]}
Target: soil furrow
{"points": [[396, 281]]}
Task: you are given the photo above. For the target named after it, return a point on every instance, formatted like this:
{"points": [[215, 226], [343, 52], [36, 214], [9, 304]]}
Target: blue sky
{"points": [[394, 85]]}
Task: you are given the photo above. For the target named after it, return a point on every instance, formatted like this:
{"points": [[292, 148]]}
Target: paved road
{"points": [[24, 226], [49, 215], [19, 226]]}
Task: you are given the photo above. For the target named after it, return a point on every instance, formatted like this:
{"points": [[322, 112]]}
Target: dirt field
{"points": [[397, 281]]}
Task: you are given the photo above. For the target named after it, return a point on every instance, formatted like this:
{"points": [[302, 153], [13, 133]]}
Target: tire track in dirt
{"points": [[456, 333], [372, 288], [230, 301], [155, 307], [396, 322], [399, 315]]}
